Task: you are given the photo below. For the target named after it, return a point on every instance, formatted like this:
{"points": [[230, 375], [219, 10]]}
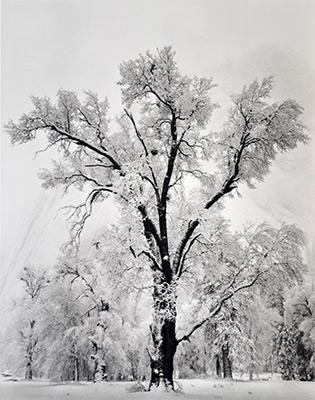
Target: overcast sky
{"points": [[75, 45]]}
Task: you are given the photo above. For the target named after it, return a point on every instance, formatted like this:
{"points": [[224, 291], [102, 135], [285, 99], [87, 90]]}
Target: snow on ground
{"points": [[196, 389]]}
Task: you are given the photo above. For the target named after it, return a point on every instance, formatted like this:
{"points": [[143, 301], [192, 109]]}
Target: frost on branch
{"points": [[155, 78], [232, 264], [255, 132]]}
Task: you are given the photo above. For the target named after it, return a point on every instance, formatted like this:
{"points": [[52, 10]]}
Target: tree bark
{"points": [[29, 371], [162, 362], [100, 370], [163, 336], [76, 369], [29, 352], [218, 368], [226, 361], [99, 373]]}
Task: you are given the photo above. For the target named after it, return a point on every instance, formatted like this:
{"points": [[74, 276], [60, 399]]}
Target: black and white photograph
{"points": [[157, 200]]}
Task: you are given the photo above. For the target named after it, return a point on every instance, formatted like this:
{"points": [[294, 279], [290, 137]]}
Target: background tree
{"points": [[63, 333], [83, 275], [144, 162], [263, 256], [34, 284], [22, 344], [294, 345]]}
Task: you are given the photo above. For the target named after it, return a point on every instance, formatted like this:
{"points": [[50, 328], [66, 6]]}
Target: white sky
{"points": [[75, 45]]}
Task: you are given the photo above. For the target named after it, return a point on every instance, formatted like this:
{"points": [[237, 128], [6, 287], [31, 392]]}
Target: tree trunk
{"points": [[99, 373], [76, 369], [98, 339], [29, 371], [218, 369], [100, 370], [204, 359], [162, 362], [227, 364], [29, 353], [163, 337]]}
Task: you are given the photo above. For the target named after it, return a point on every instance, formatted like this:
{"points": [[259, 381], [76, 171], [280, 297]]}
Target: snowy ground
{"points": [[196, 389]]}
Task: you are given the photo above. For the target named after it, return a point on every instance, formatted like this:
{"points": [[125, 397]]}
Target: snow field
{"points": [[196, 389]]}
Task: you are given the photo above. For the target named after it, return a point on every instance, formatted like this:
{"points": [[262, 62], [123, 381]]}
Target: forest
{"points": [[169, 290]]}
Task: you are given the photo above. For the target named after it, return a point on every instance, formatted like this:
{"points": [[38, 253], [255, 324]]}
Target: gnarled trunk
{"points": [[163, 336], [162, 362]]}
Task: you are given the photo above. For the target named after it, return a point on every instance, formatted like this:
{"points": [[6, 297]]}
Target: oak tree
{"points": [[145, 159]]}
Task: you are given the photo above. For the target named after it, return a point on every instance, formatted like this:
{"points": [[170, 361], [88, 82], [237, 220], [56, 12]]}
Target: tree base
{"points": [[176, 387], [159, 389]]}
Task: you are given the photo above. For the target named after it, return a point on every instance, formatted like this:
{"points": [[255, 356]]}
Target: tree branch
{"points": [[54, 316], [179, 252], [88, 311], [78, 226], [146, 152], [151, 258], [84, 143], [217, 307], [183, 259], [149, 227]]}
